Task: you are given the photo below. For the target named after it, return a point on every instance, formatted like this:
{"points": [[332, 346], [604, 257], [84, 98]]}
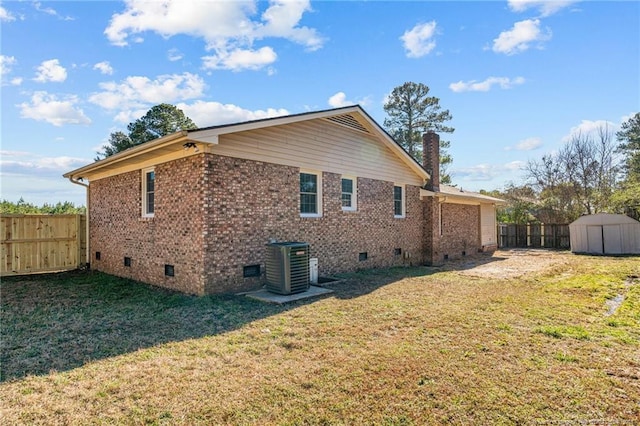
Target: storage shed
{"points": [[605, 233]]}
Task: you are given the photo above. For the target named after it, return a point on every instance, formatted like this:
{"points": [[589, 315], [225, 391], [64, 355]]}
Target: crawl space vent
{"points": [[169, 271], [349, 121]]}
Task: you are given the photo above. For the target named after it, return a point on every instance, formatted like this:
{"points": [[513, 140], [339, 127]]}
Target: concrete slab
{"points": [[280, 299]]}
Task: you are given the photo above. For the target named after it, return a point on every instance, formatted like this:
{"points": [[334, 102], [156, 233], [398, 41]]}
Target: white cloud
{"points": [[38, 178], [5, 15], [485, 86], [139, 92], [588, 127], [16, 81], [6, 62], [528, 144], [487, 172], [520, 37], [626, 118], [50, 11], [128, 116], [47, 107], [282, 18], [206, 114], [340, 100], [43, 164], [228, 28], [51, 70], [240, 59], [418, 41], [545, 7], [174, 55], [104, 67]]}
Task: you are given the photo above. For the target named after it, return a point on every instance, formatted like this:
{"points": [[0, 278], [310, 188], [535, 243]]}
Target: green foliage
{"points": [[118, 141], [160, 120], [627, 197], [629, 136], [413, 112], [22, 207], [521, 204]]}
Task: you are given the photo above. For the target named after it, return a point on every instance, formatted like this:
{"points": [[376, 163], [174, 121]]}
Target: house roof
{"points": [[170, 146], [354, 117], [453, 194]]}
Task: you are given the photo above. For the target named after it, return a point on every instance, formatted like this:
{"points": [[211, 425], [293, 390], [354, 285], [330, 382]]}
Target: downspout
{"points": [[87, 249]]}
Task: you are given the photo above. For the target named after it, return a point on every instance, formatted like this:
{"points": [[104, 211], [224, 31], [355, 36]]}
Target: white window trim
{"points": [[319, 195], [144, 192], [404, 201], [354, 194]]}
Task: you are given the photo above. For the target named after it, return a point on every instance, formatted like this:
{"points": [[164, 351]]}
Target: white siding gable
{"points": [[319, 145]]}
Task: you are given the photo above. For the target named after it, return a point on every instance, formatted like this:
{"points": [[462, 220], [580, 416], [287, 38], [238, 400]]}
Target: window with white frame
{"points": [[349, 194], [398, 201], [310, 194], [148, 192]]}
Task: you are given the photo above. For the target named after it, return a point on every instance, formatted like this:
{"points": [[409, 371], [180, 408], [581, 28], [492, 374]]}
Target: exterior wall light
{"points": [[193, 145]]}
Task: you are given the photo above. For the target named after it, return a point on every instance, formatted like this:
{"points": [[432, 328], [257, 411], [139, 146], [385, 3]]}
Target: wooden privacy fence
{"points": [[534, 235], [42, 243]]}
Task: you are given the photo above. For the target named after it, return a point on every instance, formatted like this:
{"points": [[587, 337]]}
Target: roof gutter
{"points": [[87, 249], [123, 155]]}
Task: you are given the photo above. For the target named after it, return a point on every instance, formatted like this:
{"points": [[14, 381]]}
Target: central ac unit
{"points": [[287, 267]]}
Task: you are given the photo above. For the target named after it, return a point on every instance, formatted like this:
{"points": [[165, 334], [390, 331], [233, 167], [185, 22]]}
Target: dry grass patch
{"points": [[396, 347]]}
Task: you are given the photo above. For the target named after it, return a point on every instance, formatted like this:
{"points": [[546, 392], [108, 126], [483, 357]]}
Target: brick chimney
{"points": [[431, 159]]}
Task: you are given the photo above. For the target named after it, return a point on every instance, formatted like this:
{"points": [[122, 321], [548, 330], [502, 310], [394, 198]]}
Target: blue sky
{"points": [[519, 77]]}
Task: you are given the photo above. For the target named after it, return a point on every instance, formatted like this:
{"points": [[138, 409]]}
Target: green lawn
{"points": [[389, 347]]}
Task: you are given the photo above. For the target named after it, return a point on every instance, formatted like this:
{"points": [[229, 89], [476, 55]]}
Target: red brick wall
{"points": [[431, 231], [173, 236], [240, 226], [460, 230], [214, 215]]}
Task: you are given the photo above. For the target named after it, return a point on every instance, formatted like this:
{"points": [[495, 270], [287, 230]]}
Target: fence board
{"points": [[41, 243], [543, 235]]}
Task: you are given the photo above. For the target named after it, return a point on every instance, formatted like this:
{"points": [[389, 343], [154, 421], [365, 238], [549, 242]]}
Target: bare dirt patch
{"points": [[514, 263]]}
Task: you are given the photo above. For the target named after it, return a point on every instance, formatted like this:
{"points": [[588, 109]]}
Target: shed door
{"points": [[612, 239], [594, 239]]}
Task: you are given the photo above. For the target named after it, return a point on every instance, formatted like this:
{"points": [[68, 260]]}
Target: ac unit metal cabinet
{"points": [[287, 267]]}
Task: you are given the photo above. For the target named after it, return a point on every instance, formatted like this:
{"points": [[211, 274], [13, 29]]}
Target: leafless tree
{"points": [[580, 178]]}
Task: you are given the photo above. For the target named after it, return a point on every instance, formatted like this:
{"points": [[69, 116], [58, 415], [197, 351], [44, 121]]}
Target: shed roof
{"points": [[604, 219]]}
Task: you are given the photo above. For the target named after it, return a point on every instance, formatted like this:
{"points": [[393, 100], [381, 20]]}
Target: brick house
{"points": [[194, 210]]}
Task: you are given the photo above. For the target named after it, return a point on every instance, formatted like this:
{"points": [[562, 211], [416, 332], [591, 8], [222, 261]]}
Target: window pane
{"points": [[397, 200], [308, 183], [308, 203], [150, 203], [151, 177], [308, 193], [347, 186], [346, 200], [347, 192]]}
